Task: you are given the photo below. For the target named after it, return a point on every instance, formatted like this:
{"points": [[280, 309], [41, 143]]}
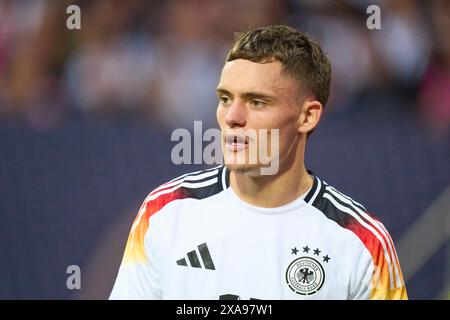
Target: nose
{"points": [[236, 115]]}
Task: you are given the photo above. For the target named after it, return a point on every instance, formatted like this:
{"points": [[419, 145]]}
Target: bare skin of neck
{"points": [[270, 191]]}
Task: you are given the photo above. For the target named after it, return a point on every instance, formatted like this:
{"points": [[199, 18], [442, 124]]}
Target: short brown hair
{"points": [[300, 55]]}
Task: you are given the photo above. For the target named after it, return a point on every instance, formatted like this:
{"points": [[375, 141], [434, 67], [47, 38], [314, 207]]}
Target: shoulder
{"points": [[193, 185], [347, 213], [366, 226], [339, 207]]}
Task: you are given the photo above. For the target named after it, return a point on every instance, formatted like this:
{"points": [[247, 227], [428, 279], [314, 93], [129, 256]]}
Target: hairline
{"points": [[302, 89]]}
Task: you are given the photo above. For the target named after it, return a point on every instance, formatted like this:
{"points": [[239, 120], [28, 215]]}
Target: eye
{"points": [[255, 103], [224, 100]]}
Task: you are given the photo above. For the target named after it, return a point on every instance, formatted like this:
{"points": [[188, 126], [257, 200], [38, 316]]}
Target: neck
{"points": [[291, 181]]}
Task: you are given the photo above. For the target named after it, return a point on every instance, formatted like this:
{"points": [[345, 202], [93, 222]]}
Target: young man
{"points": [[233, 232]]}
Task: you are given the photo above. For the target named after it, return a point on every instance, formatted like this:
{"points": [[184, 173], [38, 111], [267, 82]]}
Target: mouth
{"points": [[236, 142]]}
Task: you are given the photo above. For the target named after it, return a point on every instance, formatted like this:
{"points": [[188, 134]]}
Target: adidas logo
{"points": [[194, 261]]}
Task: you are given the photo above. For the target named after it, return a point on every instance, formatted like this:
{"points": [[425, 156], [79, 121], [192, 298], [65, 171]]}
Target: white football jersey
{"points": [[194, 238]]}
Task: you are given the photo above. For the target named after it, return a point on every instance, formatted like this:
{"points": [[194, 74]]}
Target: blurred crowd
{"points": [[160, 60]]}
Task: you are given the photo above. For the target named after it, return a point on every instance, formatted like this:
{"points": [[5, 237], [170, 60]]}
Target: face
{"points": [[252, 97]]}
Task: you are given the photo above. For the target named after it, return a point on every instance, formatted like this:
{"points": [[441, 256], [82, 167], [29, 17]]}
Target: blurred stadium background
{"points": [[86, 117]]}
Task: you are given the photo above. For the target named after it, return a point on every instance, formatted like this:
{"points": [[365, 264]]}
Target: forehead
{"points": [[239, 76]]}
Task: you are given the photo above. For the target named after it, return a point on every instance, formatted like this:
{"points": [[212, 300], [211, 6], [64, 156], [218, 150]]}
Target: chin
{"points": [[253, 170]]}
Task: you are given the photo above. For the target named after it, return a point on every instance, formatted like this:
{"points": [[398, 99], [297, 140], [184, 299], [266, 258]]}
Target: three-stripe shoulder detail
{"points": [[197, 185], [347, 212]]}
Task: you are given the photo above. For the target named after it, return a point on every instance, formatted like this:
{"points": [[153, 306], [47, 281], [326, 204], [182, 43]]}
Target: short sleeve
{"points": [[137, 277], [377, 271]]}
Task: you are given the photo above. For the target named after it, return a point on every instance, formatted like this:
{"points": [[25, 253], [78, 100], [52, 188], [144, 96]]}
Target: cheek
{"points": [[220, 115], [284, 120], [286, 138], [287, 134]]}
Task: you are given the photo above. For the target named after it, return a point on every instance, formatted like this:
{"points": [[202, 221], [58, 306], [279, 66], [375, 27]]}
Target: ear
{"points": [[309, 116]]}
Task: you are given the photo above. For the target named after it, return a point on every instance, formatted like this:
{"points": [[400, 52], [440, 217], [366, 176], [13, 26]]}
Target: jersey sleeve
{"points": [[140, 269], [377, 271], [137, 277], [138, 273]]}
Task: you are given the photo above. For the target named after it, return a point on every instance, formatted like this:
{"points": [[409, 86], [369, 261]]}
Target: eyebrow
{"points": [[249, 95]]}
